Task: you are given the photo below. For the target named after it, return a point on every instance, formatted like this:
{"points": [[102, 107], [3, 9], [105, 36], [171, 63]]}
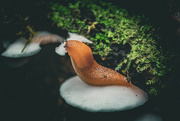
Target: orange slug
{"points": [[89, 70]]}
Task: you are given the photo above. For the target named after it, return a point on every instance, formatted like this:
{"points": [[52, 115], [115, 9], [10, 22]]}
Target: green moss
{"points": [[112, 25]]}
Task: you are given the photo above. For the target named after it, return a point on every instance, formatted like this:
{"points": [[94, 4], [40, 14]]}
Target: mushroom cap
{"points": [[60, 50], [14, 50], [41, 33], [101, 98], [44, 37], [74, 36]]}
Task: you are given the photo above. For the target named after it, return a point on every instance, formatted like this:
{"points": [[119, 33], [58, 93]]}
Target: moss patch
{"points": [[107, 25]]}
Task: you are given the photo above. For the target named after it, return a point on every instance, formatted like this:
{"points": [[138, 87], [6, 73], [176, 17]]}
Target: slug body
{"points": [[89, 70]]}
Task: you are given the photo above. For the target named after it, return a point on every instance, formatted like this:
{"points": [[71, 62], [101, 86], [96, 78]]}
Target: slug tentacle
{"points": [[89, 70]]}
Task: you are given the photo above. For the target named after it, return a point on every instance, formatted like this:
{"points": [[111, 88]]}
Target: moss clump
{"points": [[107, 25]]}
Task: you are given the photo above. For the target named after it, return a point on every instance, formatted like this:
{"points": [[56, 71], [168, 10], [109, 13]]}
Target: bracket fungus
{"points": [[15, 49], [13, 57], [17, 54], [20, 49], [97, 88]]}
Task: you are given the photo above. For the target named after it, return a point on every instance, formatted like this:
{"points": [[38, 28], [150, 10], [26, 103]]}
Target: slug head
{"points": [[80, 53]]}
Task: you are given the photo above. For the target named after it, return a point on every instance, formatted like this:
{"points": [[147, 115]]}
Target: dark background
{"points": [[31, 92]]}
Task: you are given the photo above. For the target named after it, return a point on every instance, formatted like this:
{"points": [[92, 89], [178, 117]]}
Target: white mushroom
{"points": [[60, 50], [74, 36], [17, 53], [45, 37], [14, 50], [101, 98]]}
